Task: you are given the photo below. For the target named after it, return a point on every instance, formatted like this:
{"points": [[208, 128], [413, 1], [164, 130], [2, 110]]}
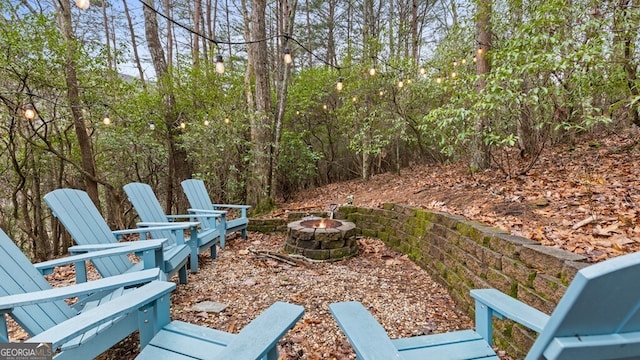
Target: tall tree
{"points": [[73, 95], [179, 165], [479, 151], [259, 190]]}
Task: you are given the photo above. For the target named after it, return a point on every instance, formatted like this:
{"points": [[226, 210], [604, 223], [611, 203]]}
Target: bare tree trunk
{"points": [[105, 22], [195, 49], [480, 152], [134, 44], [179, 165], [73, 95], [167, 7], [331, 41], [286, 26], [261, 132]]}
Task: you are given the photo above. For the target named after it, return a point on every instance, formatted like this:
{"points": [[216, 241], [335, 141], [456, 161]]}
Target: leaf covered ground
{"points": [[583, 198]]}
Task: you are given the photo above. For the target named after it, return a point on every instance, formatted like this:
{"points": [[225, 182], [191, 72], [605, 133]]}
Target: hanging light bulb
{"points": [[227, 120], [475, 59], [106, 120], [372, 71], [324, 106], [439, 80], [183, 125], [339, 84], [453, 74], [381, 93], [29, 112], [455, 62], [423, 71], [297, 112], [206, 122], [354, 99], [400, 83], [152, 126], [83, 4], [408, 81], [480, 51], [287, 56], [219, 64], [463, 61]]}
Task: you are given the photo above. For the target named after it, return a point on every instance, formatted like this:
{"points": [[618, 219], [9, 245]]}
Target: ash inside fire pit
{"points": [[322, 239]]}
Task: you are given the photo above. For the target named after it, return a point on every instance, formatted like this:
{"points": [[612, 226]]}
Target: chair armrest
{"points": [[367, 337], [130, 302], [133, 247], [180, 216], [160, 226], [262, 334], [491, 302], [234, 206], [110, 283], [151, 226], [205, 211]]}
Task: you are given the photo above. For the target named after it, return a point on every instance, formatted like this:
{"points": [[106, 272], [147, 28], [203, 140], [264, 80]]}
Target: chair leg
{"points": [[182, 274], [213, 252], [244, 234], [193, 260]]}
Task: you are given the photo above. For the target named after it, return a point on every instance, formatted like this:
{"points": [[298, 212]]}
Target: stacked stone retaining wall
{"points": [[465, 255]]}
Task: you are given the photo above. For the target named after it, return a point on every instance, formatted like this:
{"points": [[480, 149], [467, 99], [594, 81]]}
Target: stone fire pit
{"points": [[321, 239]]}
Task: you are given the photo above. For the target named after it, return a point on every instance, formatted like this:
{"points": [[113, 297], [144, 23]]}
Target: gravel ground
{"points": [[402, 296]]}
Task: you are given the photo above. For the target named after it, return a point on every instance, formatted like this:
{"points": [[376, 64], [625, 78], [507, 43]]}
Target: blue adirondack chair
{"points": [[105, 314], [75, 210], [200, 202], [257, 340], [202, 236], [597, 318]]}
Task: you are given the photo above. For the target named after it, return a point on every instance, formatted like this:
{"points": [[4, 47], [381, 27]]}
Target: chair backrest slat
{"points": [[18, 276], [602, 299], [75, 210]]}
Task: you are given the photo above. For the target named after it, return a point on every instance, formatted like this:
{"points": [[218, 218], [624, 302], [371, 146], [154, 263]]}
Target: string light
{"points": [[297, 112], [206, 122], [83, 4], [219, 64], [106, 120], [475, 59], [354, 99], [455, 62], [480, 51], [372, 71], [423, 71], [152, 126], [227, 120], [439, 80], [381, 93], [339, 84], [400, 83], [463, 61], [324, 106], [453, 74], [183, 125], [29, 112], [287, 56]]}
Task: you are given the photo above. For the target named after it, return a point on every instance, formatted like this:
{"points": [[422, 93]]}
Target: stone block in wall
{"points": [[502, 282], [445, 232], [475, 265], [509, 245], [471, 247], [518, 271], [547, 259], [570, 270], [449, 220], [266, 226], [492, 258], [473, 279], [528, 296], [549, 287]]}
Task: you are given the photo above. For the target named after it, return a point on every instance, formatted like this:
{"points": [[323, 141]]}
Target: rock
{"points": [[209, 307]]}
